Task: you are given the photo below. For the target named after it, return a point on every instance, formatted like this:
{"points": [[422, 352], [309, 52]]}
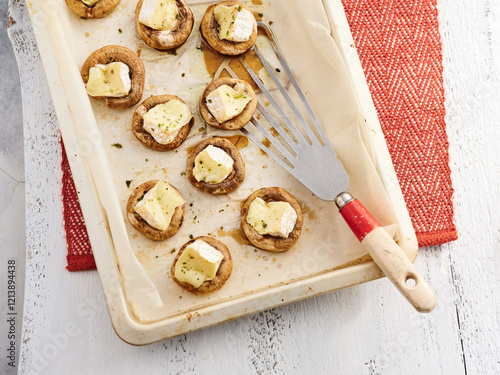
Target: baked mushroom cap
{"points": [[147, 139], [98, 10], [160, 40], [232, 181], [208, 30], [223, 273], [266, 242], [236, 122], [113, 53], [141, 225]]}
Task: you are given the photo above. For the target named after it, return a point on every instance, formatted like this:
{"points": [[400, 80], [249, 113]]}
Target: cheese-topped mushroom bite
{"points": [[111, 80], [116, 74], [164, 24], [202, 265], [228, 103], [92, 8], [156, 209], [229, 27], [215, 166], [271, 219], [162, 122]]}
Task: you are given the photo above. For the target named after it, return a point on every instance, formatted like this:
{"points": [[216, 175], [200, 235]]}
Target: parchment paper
{"points": [[304, 35]]}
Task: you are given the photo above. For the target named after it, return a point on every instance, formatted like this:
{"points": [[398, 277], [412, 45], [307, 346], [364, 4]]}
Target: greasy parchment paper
{"points": [[304, 35]]}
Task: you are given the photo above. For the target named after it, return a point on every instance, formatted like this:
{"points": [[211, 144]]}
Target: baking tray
{"points": [[140, 325]]}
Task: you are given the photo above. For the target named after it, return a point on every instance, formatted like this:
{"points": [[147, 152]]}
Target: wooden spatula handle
{"points": [[387, 254]]}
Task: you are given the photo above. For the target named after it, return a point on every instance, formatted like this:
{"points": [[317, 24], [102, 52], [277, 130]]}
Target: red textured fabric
{"points": [[80, 255], [399, 46]]}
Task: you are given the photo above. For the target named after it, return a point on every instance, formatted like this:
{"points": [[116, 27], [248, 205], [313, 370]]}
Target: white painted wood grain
{"points": [[471, 32], [11, 198], [42, 186], [367, 329]]}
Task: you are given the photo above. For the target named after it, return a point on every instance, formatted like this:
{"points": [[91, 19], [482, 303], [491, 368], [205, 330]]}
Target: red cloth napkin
{"points": [[399, 46], [80, 255], [400, 49]]}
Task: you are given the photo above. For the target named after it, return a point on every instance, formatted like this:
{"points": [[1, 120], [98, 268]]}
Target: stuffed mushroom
{"points": [[228, 103], [92, 8], [162, 122], [215, 166], [271, 219], [156, 209], [115, 74], [202, 265], [164, 25], [229, 27]]}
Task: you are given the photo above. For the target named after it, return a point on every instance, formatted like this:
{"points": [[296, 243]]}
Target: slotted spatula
{"points": [[306, 154]]}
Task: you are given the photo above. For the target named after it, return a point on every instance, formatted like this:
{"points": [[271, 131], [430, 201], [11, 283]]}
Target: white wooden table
{"points": [[367, 329]]}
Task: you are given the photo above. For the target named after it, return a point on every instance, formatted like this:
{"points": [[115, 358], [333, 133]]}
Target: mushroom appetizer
{"points": [[229, 27], [215, 166], [156, 209], [92, 8], [228, 103], [202, 265], [162, 122], [116, 74], [271, 219], [164, 24]]}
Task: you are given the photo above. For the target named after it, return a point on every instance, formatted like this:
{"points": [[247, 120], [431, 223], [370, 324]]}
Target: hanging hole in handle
{"points": [[410, 281]]}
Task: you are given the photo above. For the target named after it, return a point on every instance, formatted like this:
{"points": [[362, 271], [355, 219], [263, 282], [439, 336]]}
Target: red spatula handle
{"points": [[386, 253]]}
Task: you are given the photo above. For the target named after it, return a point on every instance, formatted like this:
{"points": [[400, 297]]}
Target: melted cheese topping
{"points": [[198, 262], [158, 205], [226, 103], [112, 80], [164, 121], [212, 165], [234, 23], [274, 218], [159, 14]]}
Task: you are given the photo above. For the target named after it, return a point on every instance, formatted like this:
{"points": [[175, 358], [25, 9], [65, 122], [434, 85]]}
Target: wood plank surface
{"points": [[367, 329], [12, 203], [471, 41]]}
